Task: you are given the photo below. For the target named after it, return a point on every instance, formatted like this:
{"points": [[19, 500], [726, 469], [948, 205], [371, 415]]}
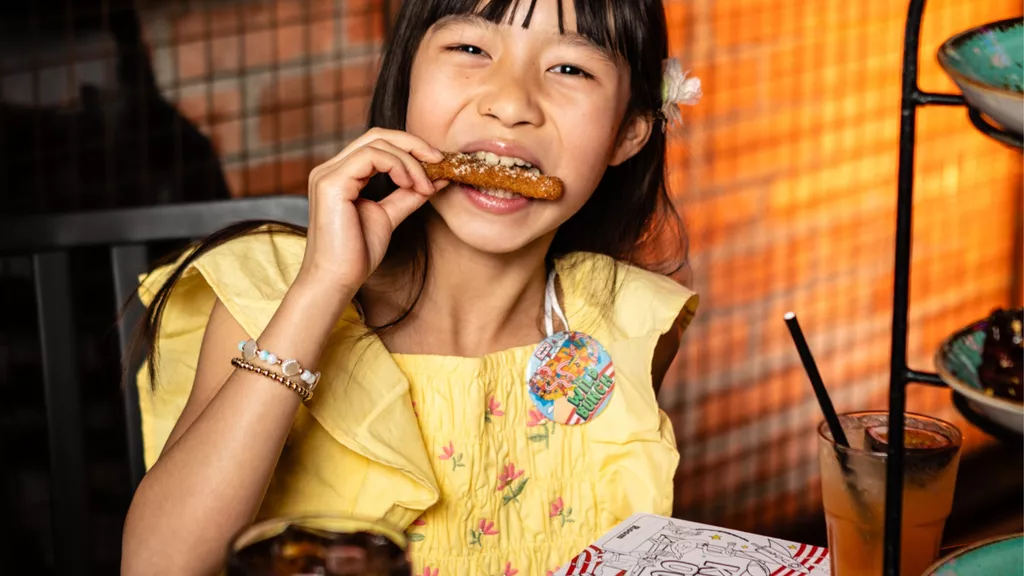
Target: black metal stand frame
{"points": [[900, 374]]}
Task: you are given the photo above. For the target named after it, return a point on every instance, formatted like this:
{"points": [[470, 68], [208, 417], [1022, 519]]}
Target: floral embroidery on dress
{"points": [[506, 478], [484, 528], [558, 510], [536, 418], [493, 409], [428, 572], [450, 455], [509, 570], [416, 536]]}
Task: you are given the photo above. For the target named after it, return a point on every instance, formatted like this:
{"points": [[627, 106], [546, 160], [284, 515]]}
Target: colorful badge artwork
{"points": [[570, 377]]}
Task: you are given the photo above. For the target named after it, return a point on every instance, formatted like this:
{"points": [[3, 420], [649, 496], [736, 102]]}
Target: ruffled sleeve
{"points": [[334, 460]]}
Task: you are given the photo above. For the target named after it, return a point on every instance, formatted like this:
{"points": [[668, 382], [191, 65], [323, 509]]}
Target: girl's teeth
{"points": [[493, 159], [505, 194]]}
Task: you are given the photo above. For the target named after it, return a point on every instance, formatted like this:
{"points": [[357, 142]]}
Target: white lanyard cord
{"points": [[551, 302]]}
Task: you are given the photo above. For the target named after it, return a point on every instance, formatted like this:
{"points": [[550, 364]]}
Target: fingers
{"points": [[413, 167], [402, 140], [410, 150], [397, 154], [400, 204], [350, 176]]}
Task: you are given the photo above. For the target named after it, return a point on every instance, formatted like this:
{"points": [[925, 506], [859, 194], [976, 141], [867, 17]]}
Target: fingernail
{"points": [[437, 154]]}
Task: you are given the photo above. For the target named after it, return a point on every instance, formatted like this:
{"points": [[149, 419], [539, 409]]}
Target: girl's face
{"points": [[555, 100]]}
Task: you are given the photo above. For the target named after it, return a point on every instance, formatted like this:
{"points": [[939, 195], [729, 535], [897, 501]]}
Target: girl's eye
{"points": [[570, 70], [466, 48]]}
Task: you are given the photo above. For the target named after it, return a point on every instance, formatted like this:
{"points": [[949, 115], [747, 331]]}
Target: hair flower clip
{"points": [[676, 90]]}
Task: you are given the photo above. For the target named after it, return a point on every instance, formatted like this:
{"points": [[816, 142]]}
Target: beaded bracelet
{"points": [[305, 393], [251, 351]]}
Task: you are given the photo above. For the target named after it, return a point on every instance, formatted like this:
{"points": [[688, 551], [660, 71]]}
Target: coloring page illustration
{"points": [[648, 545]]}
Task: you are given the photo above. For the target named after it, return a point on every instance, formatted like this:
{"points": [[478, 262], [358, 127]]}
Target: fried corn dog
{"points": [[466, 169]]}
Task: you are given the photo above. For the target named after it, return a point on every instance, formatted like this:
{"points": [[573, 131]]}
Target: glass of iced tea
{"points": [[319, 545], [853, 490]]}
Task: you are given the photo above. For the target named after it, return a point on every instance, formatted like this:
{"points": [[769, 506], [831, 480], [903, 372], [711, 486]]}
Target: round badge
{"points": [[570, 378]]}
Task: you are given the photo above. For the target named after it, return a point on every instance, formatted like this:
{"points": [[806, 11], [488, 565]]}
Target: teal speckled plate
{"points": [[957, 363], [987, 63], [1002, 556]]}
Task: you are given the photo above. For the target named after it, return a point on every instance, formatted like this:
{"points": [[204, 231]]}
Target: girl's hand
{"points": [[349, 235]]}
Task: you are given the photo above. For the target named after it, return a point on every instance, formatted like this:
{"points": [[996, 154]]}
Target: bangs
{"points": [[615, 26]]}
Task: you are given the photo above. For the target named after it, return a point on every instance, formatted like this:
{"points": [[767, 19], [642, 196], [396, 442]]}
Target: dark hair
{"points": [[630, 216]]}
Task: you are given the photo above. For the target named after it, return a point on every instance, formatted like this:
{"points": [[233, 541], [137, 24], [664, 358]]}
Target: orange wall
{"points": [[786, 174]]}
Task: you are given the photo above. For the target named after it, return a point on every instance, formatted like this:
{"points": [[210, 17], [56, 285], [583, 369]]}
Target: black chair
{"points": [[128, 234]]}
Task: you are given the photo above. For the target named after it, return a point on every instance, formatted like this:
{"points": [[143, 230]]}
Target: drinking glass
{"points": [[319, 545], [853, 490]]}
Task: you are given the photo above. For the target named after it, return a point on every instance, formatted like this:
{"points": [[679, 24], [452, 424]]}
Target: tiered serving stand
{"points": [[900, 374]]}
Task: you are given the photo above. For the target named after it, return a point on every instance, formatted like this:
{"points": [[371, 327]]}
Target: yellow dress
{"points": [[448, 449]]}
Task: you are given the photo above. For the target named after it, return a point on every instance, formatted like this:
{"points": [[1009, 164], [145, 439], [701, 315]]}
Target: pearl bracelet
{"points": [[251, 351]]}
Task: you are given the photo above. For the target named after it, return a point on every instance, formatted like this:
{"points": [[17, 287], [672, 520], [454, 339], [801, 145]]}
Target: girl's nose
{"points": [[511, 98]]}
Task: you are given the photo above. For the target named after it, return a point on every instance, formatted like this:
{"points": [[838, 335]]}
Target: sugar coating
{"points": [[466, 169]]}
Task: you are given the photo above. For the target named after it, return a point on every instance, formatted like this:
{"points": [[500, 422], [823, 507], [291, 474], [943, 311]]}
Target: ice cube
{"points": [[854, 430]]}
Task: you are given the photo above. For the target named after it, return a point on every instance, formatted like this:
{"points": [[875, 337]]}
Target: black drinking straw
{"points": [[838, 435]]}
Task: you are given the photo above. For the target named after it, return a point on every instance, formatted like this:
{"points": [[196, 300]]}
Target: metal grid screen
{"points": [[787, 178], [109, 103], [785, 174], [279, 87]]}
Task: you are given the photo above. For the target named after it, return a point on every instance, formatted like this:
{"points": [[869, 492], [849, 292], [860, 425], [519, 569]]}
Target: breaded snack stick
{"points": [[466, 169]]}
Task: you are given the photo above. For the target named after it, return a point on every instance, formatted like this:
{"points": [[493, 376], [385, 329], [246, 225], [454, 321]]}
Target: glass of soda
{"points": [[853, 489], [320, 546]]}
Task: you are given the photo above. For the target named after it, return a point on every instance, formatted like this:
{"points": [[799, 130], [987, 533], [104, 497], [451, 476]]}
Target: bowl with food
{"points": [[984, 362]]}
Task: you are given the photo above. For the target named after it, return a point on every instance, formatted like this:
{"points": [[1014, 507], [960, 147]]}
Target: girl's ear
{"points": [[632, 138]]}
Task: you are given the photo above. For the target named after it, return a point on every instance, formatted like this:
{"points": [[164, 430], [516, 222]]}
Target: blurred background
{"points": [[785, 174]]}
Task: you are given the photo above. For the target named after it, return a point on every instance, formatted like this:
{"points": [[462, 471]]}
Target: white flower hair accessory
{"points": [[677, 89]]}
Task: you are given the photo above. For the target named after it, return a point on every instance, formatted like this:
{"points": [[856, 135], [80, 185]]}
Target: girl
{"points": [[422, 308]]}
